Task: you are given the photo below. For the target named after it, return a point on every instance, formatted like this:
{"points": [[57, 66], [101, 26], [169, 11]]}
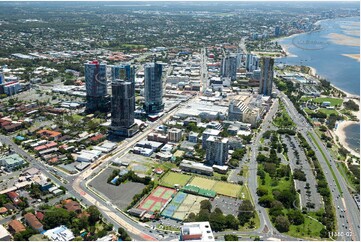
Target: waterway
{"points": [[353, 136], [325, 51]]}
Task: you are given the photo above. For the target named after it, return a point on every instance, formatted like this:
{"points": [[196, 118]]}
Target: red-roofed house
{"points": [[97, 138], [14, 197], [33, 222], [39, 215], [49, 134], [72, 206], [15, 226]]}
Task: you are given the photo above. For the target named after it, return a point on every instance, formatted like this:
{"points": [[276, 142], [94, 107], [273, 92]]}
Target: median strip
{"points": [[328, 163]]}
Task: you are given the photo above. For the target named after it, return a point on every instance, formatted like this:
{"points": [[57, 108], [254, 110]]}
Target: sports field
{"points": [[227, 189], [172, 178], [203, 182], [181, 205], [220, 187], [157, 199]]}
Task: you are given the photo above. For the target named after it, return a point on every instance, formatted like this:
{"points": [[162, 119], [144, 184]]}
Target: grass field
{"points": [[310, 229], [333, 101], [227, 189], [203, 182], [327, 111], [172, 178]]}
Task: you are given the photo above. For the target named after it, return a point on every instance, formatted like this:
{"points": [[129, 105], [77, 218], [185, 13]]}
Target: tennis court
{"points": [[203, 182], [174, 204], [157, 199], [167, 194], [181, 205]]}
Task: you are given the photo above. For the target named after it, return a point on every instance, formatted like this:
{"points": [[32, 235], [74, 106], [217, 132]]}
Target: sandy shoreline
{"points": [[341, 134], [353, 56]]}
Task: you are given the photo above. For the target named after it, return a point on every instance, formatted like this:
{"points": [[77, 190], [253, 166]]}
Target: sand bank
{"points": [[353, 56], [342, 39]]}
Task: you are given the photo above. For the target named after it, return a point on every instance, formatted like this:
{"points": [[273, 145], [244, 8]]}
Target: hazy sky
{"points": [[180, 0]]}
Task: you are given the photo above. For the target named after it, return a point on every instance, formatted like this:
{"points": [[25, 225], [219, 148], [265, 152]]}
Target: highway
{"points": [[347, 212]]}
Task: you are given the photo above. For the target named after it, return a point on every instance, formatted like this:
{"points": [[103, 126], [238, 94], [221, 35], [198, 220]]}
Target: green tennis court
{"points": [[158, 192], [147, 204], [167, 194]]}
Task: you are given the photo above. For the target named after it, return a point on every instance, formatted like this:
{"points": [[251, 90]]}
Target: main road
{"points": [[347, 212]]}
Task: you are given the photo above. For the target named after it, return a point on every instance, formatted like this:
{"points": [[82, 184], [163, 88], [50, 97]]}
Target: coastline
{"points": [[341, 134]]}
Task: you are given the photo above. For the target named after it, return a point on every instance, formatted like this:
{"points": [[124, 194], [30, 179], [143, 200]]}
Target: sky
{"points": [[185, 0]]}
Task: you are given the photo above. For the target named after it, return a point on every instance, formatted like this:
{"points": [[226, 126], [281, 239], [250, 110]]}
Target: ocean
{"points": [[316, 49], [353, 136]]}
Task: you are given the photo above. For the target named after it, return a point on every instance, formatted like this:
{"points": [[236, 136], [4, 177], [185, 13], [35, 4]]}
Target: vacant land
{"points": [[172, 178], [121, 195]]}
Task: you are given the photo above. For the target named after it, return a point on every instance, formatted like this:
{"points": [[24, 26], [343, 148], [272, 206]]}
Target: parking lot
{"points": [[121, 195], [308, 195], [228, 205]]}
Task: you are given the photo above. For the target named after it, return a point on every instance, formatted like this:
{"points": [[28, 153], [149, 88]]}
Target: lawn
{"points": [[203, 182], [310, 229], [77, 117], [282, 119], [281, 184], [227, 189], [308, 111], [333, 101], [327, 111], [172, 178]]}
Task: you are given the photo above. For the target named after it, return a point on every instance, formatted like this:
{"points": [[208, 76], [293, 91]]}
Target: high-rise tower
{"points": [[153, 88], [229, 67], [96, 86], [265, 85], [123, 101]]}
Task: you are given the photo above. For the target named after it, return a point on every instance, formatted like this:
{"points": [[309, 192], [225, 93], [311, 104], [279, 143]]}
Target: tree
{"points": [[206, 204], [246, 212], [123, 234], [265, 201], [282, 224], [94, 214], [56, 217], [24, 235], [230, 237], [261, 191], [231, 222], [295, 217], [217, 221]]}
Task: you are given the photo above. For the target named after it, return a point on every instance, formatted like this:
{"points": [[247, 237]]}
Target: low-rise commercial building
{"points": [[197, 231], [196, 167], [11, 162]]}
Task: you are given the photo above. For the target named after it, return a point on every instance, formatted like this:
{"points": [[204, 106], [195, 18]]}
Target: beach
{"points": [[340, 133]]}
